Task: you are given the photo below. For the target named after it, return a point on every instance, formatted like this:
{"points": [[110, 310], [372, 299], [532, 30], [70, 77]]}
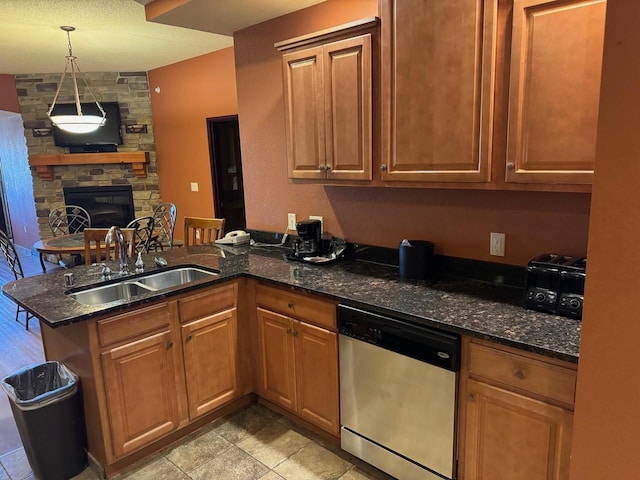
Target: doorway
{"points": [[226, 171]]}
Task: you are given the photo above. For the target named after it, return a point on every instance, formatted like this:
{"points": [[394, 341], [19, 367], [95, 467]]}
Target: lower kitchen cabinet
{"points": [[209, 335], [516, 414], [141, 391], [277, 359], [211, 379], [150, 373], [298, 361]]}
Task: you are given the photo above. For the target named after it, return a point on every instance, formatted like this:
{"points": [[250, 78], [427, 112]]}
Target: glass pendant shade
{"points": [[78, 123]]}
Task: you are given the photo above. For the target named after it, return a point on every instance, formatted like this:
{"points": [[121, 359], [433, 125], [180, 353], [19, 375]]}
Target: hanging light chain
{"points": [[69, 40]]}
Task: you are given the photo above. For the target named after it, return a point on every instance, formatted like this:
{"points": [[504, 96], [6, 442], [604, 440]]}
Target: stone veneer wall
{"points": [[131, 91]]}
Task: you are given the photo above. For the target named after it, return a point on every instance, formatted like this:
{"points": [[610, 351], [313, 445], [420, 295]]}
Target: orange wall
{"points": [[8, 94], [606, 436], [458, 222], [190, 92]]}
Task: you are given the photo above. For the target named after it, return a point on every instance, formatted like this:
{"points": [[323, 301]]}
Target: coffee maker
{"points": [[309, 241]]}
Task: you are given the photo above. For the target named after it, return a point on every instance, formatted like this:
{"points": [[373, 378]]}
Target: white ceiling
{"points": [[113, 35]]}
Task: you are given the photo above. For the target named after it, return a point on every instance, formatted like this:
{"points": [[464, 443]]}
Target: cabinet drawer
{"points": [[311, 310], [130, 325], [210, 301], [524, 373]]}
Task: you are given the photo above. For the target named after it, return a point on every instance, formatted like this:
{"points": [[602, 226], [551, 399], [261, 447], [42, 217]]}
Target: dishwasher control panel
{"points": [[419, 342]]}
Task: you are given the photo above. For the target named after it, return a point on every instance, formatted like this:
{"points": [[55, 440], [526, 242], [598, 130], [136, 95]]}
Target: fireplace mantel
{"points": [[44, 163]]}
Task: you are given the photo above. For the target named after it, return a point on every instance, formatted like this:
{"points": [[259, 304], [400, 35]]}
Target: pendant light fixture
{"points": [[78, 123]]}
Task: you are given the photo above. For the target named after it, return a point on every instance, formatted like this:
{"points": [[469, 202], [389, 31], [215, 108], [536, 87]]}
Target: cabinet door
{"points": [[317, 376], [210, 361], [140, 386], [512, 437], [347, 106], [438, 64], [276, 359], [554, 90], [304, 113]]}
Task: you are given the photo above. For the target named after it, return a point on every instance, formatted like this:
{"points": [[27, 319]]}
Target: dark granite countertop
{"points": [[467, 307]]}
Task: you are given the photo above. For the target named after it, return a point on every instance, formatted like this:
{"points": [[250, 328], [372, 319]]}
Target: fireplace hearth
{"points": [[107, 205]]}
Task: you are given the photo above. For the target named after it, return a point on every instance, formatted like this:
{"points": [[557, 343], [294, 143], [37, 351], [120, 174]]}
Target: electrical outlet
{"points": [[316, 217], [496, 246], [198, 234], [291, 221], [194, 186]]}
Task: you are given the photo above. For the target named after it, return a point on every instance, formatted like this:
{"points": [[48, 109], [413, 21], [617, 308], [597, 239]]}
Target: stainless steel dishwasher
{"points": [[398, 386]]}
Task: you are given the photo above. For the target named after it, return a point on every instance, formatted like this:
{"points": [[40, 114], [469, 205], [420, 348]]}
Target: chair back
{"points": [[68, 219], [94, 244], [143, 234], [164, 223], [199, 231], [9, 251]]}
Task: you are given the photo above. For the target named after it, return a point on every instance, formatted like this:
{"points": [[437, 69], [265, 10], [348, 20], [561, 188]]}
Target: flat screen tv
{"points": [[105, 139]]}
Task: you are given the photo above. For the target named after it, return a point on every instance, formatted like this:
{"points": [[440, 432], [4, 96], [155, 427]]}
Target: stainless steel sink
{"points": [[171, 278], [131, 287], [110, 293]]}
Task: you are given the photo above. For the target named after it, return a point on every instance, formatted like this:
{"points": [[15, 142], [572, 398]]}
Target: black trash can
{"points": [[46, 406], [415, 259]]}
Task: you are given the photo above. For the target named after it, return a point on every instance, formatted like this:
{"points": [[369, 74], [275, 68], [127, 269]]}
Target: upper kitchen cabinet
{"points": [[556, 59], [327, 80], [438, 62]]}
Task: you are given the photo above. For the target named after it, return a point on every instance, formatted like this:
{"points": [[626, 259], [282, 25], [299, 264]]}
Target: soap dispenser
{"points": [[139, 263]]}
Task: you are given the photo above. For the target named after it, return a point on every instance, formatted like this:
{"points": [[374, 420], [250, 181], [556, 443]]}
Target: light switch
{"points": [[194, 186]]}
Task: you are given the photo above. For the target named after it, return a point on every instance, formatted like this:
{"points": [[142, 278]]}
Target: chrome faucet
{"points": [[124, 259]]}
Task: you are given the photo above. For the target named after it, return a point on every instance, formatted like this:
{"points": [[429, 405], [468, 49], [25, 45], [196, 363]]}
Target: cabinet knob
{"points": [[519, 373], [290, 305], [295, 333], [383, 167], [471, 398], [169, 345], [511, 166], [322, 167], [188, 339], [327, 167]]}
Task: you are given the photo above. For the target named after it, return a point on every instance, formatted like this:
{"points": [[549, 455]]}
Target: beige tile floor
{"points": [[253, 443]]}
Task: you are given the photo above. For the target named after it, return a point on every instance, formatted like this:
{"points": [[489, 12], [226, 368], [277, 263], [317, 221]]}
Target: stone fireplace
{"points": [[131, 91]]}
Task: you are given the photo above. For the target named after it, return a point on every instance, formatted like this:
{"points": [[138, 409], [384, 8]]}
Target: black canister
{"points": [[416, 258]]}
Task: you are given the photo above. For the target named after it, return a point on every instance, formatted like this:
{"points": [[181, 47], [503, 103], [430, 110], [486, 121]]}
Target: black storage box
{"points": [[47, 409]]}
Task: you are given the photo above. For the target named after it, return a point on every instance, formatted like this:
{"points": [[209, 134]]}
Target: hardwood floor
{"points": [[18, 347]]}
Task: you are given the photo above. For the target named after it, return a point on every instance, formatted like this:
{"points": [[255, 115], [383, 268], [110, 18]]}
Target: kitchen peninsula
{"points": [[222, 317]]}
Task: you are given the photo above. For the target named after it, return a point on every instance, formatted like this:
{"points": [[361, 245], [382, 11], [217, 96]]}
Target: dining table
{"points": [[70, 244]]}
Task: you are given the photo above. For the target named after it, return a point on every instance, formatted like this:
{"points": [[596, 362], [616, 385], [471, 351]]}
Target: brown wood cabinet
{"points": [[438, 61], [328, 103], [140, 369], [141, 391], [209, 342], [154, 373], [516, 413], [298, 361], [556, 60]]}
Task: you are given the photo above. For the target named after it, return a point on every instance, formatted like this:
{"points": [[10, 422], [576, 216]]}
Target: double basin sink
{"points": [[129, 288]]}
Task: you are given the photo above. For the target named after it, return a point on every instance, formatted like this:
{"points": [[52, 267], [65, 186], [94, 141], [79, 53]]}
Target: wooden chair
{"points": [[198, 231], [10, 253], [102, 251]]}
